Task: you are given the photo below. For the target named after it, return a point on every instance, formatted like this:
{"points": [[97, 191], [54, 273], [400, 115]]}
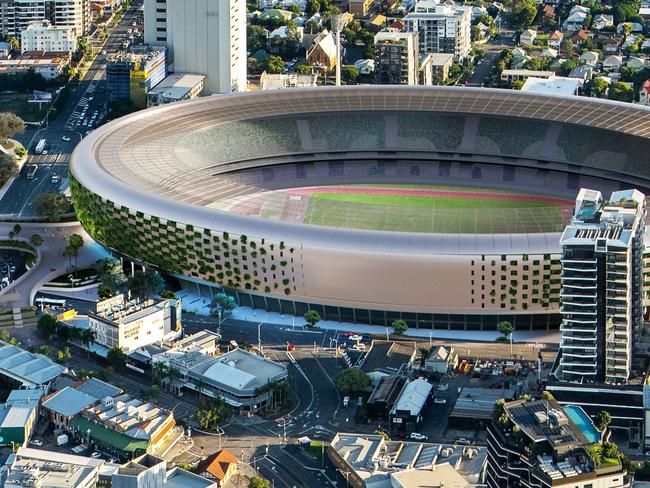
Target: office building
{"points": [[40, 468], [133, 324], [43, 36], [203, 37], [443, 27], [174, 88], [542, 444], [602, 287], [145, 471], [71, 13], [367, 461], [130, 75], [396, 58]]}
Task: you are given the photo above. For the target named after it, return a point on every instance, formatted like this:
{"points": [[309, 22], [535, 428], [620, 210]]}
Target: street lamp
{"points": [[259, 339], [219, 310]]}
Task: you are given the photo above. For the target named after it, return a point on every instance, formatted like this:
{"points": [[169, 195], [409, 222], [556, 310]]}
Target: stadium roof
{"points": [[164, 161]]}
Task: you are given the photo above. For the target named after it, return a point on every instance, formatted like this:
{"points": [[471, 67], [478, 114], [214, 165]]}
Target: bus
{"points": [[50, 302], [31, 171], [40, 146]]}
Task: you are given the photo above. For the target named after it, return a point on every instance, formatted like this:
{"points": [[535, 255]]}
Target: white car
{"points": [[417, 437], [355, 338], [36, 442], [359, 347], [463, 441], [96, 455], [65, 138]]}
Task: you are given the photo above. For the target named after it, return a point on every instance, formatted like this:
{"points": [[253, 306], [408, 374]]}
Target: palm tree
{"points": [[159, 370], [199, 387], [172, 373], [87, 337]]}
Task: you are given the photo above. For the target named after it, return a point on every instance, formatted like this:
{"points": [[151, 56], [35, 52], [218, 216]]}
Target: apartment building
{"points": [[542, 444], [396, 58], [602, 286], [43, 36], [202, 37], [17, 15], [442, 28]]}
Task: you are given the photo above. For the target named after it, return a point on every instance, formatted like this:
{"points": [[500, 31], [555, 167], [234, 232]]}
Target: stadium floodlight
{"points": [[338, 22]]}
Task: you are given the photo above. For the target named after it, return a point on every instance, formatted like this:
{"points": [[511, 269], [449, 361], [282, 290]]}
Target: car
{"points": [[104, 52], [417, 437], [347, 333], [44, 151], [355, 337], [96, 455], [65, 138], [359, 347], [133, 24], [36, 442], [463, 441], [129, 31]]}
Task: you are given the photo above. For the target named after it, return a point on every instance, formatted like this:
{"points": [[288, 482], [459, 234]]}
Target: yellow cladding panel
{"points": [[67, 315]]}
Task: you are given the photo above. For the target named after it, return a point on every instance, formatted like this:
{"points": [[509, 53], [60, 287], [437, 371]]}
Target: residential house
{"points": [[528, 37], [276, 15], [441, 360], [478, 12], [609, 42], [376, 23], [583, 72], [549, 52], [636, 63], [630, 41], [601, 21], [644, 93], [579, 38], [589, 58], [322, 52], [283, 32], [636, 27], [365, 66], [359, 7], [644, 13], [576, 19], [548, 14], [612, 63], [391, 6], [555, 39], [397, 24], [220, 466], [512, 75]]}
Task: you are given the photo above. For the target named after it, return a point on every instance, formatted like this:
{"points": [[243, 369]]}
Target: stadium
{"points": [[441, 206]]}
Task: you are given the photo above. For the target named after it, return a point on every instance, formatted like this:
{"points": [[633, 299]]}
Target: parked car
{"points": [[417, 437], [65, 138], [36, 442], [96, 455], [463, 441]]}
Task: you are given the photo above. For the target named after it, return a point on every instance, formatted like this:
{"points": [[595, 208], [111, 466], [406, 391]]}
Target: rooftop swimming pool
{"points": [[583, 422]]}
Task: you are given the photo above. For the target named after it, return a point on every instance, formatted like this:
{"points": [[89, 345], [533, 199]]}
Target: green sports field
{"points": [[408, 213]]}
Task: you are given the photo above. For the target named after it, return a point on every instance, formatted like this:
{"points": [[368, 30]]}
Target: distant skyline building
{"points": [[17, 15], [443, 28], [203, 37], [602, 286]]}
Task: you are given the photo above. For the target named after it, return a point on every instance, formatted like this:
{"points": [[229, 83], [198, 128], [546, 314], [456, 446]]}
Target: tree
{"points": [[17, 229], [11, 235], [116, 357], [547, 395], [523, 13], [517, 85], [313, 6], [621, 91], [13, 43], [46, 325], [599, 88], [75, 243], [505, 328], [258, 482], [110, 275], [226, 302], [212, 412], [566, 48], [43, 349], [312, 317], [145, 284], [602, 420], [10, 125], [352, 380], [350, 73], [154, 391], [274, 64], [5, 337], [168, 295], [456, 70], [255, 37], [303, 69], [20, 151], [159, 370], [399, 327], [8, 167], [51, 205], [36, 240]]}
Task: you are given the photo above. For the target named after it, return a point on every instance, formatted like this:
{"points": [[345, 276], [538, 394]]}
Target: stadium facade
{"points": [[151, 186]]}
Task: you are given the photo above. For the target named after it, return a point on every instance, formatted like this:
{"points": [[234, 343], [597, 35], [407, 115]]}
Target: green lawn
{"points": [[423, 201], [431, 214], [17, 103]]}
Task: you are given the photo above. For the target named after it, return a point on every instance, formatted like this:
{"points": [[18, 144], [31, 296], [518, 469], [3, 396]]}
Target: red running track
{"points": [[514, 197]]}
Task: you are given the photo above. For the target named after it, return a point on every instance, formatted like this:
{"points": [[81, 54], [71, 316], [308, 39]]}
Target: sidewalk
{"points": [[201, 306]]}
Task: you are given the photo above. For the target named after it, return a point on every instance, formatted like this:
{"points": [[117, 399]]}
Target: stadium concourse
{"points": [[440, 206]]}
